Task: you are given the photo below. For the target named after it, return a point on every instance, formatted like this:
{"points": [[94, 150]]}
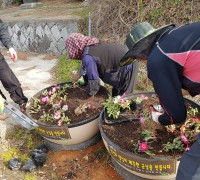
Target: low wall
{"points": [[42, 36]]}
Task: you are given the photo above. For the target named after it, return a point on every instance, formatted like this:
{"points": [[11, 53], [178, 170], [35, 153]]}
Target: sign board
{"points": [[144, 165]]}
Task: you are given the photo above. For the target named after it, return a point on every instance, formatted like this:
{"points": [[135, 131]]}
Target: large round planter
{"points": [[75, 136], [131, 166]]}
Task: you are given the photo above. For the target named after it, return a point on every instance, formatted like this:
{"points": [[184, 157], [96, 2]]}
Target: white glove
{"points": [[13, 54], [155, 115]]}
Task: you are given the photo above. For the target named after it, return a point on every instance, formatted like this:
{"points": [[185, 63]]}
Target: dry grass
{"points": [[112, 20]]}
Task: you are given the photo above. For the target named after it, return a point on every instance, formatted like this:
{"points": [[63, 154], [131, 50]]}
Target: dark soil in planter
{"points": [[75, 97], [126, 134]]}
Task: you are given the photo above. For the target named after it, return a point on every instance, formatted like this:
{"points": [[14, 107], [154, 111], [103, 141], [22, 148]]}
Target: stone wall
{"points": [[42, 36], [5, 3]]}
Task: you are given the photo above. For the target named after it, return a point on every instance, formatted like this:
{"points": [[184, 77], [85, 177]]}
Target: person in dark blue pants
{"points": [[101, 61]]}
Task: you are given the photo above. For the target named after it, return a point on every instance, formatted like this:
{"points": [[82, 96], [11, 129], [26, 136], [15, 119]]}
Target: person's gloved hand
{"points": [[155, 115], [13, 54], [81, 81]]}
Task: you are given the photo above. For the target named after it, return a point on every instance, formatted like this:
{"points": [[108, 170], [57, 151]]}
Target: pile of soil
{"points": [[92, 163], [76, 97], [127, 134]]}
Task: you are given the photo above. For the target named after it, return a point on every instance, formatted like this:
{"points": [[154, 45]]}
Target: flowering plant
{"points": [[114, 105], [184, 135], [53, 106], [55, 100]]}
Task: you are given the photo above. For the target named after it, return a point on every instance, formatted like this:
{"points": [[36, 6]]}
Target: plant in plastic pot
{"points": [[142, 147], [66, 114]]}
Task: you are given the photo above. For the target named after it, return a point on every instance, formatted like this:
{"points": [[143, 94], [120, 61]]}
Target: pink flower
{"points": [[60, 123], [184, 139], [122, 101], [50, 93], [141, 119], [144, 146], [187, 148], [45, 99], [196, 120], [143, 96], [57, 115], [53, 90], [57, 87]]}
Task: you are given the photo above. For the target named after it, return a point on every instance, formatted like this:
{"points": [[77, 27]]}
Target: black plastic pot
{"points": [[129, 165], [75, 136]]}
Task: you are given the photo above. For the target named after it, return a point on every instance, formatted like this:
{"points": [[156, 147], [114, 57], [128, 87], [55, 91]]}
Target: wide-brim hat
{"points": [[140, 38]]}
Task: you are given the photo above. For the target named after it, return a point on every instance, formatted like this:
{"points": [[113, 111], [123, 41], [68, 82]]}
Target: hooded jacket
{"points": [[173, 64]]}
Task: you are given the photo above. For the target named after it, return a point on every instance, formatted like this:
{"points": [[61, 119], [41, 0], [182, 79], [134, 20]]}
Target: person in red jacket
{"points": [[173, 64], [101, 61], [7, 77]]}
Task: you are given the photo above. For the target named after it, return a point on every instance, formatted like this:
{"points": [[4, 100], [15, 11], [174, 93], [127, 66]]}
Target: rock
{"points": [[39, 157], [14, 164], [29, 166], [43, 148]]}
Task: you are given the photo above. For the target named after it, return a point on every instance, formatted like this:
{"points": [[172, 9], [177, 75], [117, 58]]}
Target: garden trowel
{"points": [[16, 116], [121, 120]]}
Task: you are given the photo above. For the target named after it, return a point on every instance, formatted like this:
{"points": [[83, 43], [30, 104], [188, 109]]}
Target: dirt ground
{"points": [[92, 163]]}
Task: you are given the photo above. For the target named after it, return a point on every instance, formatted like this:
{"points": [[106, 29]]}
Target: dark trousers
{"points": [[128, 82], [11, 83], [189, 167]]}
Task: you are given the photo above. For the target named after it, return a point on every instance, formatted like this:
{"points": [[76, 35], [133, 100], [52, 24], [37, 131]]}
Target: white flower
{"points": [[116, 99], [74, 72], [65, 108]]}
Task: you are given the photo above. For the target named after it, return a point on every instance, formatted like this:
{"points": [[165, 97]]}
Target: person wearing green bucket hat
{"points": [[173, 64]]}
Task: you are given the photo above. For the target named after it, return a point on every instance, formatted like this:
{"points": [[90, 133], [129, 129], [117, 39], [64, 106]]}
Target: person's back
{"points": [[173, 63], [107, 57]]}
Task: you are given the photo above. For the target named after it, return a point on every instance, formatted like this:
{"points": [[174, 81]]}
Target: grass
{"points": [[30, 177], [65, 67], [23, 143]]}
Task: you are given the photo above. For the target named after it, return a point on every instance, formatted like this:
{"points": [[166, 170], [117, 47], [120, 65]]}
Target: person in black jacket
{"points": [[173, 64], [7, 77], [101, 61]]}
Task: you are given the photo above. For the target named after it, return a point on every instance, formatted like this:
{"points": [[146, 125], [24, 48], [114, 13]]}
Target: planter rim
{"points": [[69, 125]]}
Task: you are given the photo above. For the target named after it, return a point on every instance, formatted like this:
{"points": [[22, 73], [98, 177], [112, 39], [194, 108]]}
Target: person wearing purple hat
{"points": [[101, 61], [173, 64]]}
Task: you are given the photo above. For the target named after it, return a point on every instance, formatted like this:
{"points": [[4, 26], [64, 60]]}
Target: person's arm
{"points": [[6, 40], [166, 76], [93, 83]]}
